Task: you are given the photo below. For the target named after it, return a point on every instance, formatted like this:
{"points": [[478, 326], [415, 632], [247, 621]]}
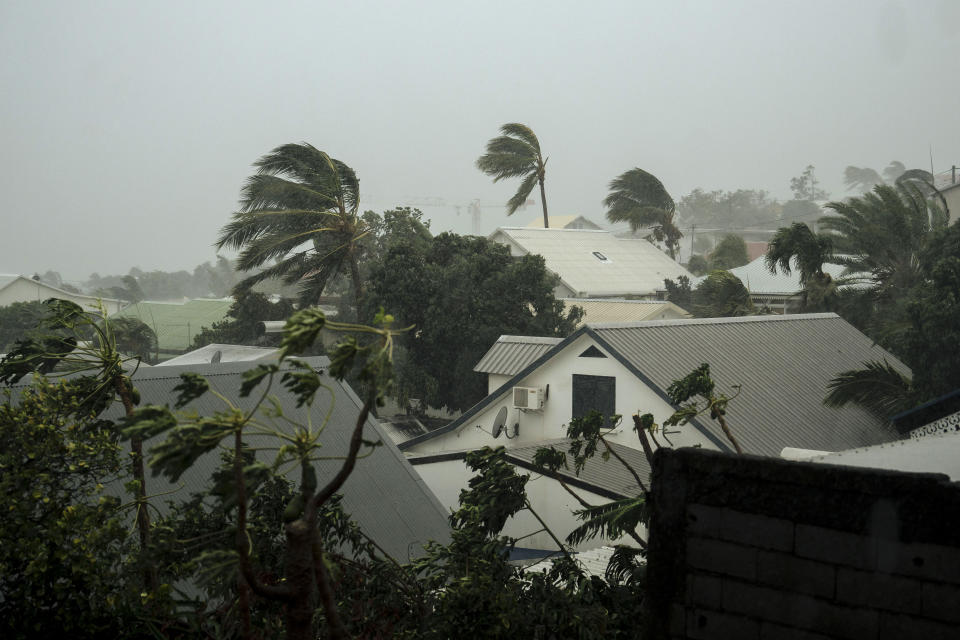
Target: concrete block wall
{"points": [[757, 548]]}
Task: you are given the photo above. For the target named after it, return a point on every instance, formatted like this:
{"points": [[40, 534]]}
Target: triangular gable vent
{"points": [[592, 352]]}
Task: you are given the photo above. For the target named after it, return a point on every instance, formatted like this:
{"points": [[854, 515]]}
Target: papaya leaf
{"points": [[191, 387]]}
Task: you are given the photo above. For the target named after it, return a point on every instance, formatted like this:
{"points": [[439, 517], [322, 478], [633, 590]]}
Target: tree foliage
{"points": [[300, 213], [720, 295], [241, 326], [640, 199], [442, 286], [738, 209], [516, 154], [730, 252]]}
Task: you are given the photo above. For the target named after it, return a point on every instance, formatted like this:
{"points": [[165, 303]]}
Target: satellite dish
{"points": [[499, 421]]}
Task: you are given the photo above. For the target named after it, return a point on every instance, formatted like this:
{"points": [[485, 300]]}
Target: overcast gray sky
{"points": [[127, 128]]}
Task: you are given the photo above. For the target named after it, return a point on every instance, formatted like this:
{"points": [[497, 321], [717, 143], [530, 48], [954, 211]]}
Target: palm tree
{"points": [[798, 247], [883, 233], [639, 198], [514, 154], [298, 211]]}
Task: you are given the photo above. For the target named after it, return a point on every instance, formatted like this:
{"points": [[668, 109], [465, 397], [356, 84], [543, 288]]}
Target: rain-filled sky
{"points": [[128, 128]]}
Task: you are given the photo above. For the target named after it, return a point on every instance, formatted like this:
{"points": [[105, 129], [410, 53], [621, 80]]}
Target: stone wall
{"points": [[749, 548]]}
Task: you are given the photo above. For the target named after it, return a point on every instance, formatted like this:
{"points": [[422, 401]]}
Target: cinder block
{"points": [[722, 557], [796, 574], [756, 530], [704, 521], [900, 627], [932, 562], [942, 601], [773, 631], [879, 591], [703, 624], [704, 591], [836, 547], [799, 611]]}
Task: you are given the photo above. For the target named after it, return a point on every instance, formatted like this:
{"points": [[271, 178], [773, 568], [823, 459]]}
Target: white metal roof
{"points": [[228, 353], [931, 454], [595, 263], [758, 280], [602, 310]]}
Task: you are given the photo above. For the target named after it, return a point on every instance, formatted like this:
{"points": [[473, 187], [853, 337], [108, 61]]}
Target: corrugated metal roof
{"points": [[596, 263], [784, 364], [228, 353], [757, 278], [599, 310], [931, 454], [384, 495], [510, 354], [609, 475], [594, 562]]}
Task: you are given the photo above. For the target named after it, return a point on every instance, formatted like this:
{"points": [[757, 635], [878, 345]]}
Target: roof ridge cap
{"points": [[791, 317]]}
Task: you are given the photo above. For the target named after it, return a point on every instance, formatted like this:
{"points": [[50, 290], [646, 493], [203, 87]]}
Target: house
{"points": [[781, 292], [176, 323], [563, 222], [593, 263], [782, 365], [16, 288], [384, 495], [619, 310], [951, 194]]}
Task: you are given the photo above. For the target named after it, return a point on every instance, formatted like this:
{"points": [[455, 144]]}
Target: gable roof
{"points": [[7, 279], [783, 364], [384, 495], [564, 222], [510, 354], [595, 263], [605, 310]]}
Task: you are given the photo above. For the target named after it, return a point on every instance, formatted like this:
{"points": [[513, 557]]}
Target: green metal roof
{"points": [[176, 323]]}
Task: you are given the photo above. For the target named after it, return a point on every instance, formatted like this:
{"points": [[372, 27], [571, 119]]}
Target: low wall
{"points": [[749, 548]]}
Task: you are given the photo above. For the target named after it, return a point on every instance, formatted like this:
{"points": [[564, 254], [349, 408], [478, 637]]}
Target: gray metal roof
{"points": [[784, 364], [510, 354], [597, 474], [384, 495], [596, 263]]}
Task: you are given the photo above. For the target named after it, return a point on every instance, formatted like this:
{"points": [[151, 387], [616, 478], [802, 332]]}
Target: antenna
{"points": [[499, 421]]}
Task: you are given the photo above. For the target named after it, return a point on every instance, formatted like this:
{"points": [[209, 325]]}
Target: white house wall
{"points": [[27, 290], [551, 501], [632, 396]]}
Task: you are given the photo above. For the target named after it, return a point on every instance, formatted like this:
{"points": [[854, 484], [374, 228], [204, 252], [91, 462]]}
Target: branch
{"points": [[356, 440], [337, 629], [641, 433], [616, 455], [270, 592]]}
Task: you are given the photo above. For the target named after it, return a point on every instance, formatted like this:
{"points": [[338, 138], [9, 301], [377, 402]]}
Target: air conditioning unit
{"points": [[527, 398]]}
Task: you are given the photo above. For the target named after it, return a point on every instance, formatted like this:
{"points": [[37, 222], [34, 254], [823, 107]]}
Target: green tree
{"points": [[640, 199], [805, 187], [18, 320], [241, 326], [720, 295], [729, 209], [299, 196], [680, 292], [516, 154], [134, 338], [436, 286], [798, 247], [731, 252]]}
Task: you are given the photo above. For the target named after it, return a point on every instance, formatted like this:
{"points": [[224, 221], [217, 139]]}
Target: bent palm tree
{"points": [[514, 154], [639, 198], [299, 210], [878, 388]]}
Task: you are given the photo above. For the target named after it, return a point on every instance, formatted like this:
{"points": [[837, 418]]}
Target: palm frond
{"points": [[625, 566], [611, 520], [523, 132], [523, 192], [878, 388]]}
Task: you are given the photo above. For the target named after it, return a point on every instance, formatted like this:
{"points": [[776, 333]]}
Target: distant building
{"points": [[564, 222], [17, 288]]}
